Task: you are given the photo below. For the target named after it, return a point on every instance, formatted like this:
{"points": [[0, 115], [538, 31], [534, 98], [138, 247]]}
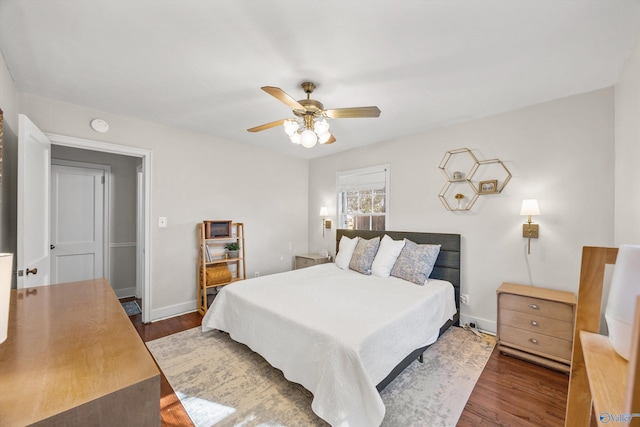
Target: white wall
{"points": [[195, 177], [560, 152], [627, 129]]}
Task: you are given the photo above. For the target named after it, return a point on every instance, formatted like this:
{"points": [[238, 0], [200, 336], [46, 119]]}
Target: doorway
{"points": [[143, 192]]}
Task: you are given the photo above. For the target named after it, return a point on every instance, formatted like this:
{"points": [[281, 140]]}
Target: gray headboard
{"points": [[447, 265]]}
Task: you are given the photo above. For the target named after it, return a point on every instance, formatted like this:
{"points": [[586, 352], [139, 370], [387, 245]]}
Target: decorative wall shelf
{"points": [[451, 192], [465, 176]]}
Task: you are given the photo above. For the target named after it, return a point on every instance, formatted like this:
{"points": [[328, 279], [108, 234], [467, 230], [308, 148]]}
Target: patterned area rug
{"points": [[131, 308], [223, 383]]}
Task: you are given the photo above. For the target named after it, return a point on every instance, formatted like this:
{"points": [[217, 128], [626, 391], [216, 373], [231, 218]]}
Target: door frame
{"points": [[140, 218], [146, 156], [106, 206]]}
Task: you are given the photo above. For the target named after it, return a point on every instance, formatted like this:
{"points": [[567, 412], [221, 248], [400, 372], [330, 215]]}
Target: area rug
{"points": [[223, 383], [131, 308]]}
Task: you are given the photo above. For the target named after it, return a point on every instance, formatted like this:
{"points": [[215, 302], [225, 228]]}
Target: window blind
{"points": [[372, 178]]}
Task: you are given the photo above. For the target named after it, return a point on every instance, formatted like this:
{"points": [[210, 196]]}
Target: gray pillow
{"points": [[364, 254], [415, 262]]}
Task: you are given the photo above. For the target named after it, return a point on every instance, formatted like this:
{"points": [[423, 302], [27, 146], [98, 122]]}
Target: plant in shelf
{"points": [[233, 249]]}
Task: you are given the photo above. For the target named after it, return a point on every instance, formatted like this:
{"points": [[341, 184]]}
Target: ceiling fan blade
{"points": [[331, 140], [278, 93], [267, 126], [352, 113]]}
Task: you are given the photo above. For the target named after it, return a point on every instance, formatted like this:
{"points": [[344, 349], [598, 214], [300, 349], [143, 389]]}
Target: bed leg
{"points": [[421, 358]]}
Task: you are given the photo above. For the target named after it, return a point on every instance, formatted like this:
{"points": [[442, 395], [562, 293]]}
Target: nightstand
{"points": [[536, 324], [308, 260]]}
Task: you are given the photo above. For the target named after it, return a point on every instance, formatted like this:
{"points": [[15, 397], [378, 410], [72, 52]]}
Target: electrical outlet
{"points": [[464, 299], [257, 274]]}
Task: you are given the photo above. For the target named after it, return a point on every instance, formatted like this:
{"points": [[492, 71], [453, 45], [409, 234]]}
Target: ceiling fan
{"points": [[312, 127]]}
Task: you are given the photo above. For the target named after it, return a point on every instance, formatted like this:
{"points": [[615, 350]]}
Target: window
{"points": [[362, 198]]}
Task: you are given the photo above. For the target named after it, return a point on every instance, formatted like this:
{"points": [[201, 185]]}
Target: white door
{"points": [[77, 223], [34, 159]]}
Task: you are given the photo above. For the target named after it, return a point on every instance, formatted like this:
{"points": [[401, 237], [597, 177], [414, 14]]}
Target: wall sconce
{"points": [[529, 230], [326, 223]]}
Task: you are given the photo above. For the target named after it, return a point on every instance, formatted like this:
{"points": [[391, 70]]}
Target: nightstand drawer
{"points": [[304, 262], [536, 323], [536, 306], [534, 341]]}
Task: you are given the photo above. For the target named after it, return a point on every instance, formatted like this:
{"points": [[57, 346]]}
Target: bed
{"points": [[341, 334]]}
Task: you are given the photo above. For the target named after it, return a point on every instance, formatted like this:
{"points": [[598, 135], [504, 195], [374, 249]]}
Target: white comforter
{"points": [[338, 333]]}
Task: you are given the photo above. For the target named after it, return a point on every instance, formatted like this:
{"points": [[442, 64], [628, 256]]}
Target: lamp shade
{"points": [[290, 127], [6, 267], [295, 138], [625, 286], [321, 126], [530, 207], [308, 138], [324, 211]]}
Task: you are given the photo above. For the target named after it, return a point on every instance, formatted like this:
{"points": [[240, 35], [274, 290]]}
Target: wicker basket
{"points": [[217, 274]]}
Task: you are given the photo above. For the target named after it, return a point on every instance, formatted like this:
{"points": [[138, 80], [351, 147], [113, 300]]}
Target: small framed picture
{"points": [[217, 229], [488, 187]]}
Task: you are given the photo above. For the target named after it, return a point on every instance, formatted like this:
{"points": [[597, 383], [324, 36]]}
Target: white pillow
{"points": [[345, 251], [388, 252]]}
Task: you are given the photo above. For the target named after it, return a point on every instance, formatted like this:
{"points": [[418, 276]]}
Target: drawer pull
{"points": [[533, 340], [534, 323], [534, 306]]}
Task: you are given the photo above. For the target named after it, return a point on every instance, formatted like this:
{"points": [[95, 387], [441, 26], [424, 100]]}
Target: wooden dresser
{"points": [[536, 324], [73, 358]]}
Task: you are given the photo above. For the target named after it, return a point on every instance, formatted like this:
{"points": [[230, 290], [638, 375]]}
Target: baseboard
{"points": [[125, 292], [484, 325], [173, 310]]}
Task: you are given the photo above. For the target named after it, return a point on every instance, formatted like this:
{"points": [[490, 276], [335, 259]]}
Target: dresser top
{"points": [[535, 292], [67, 345]]}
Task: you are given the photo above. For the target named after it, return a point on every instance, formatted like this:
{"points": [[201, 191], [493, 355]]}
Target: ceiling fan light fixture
{"points": [[308, 138], [321, 127], [295, 138], [310, 125], [324, 137], [290, 127]]}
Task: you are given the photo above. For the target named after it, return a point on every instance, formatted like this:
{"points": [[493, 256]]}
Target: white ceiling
{"points": [[199, 64]]}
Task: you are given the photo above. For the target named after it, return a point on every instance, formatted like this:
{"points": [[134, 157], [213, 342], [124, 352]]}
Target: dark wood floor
{"points": [[510, 392]]}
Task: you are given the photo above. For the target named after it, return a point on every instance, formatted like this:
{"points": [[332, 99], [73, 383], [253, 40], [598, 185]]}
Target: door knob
{"points": [[53, 247], [32, 271]]}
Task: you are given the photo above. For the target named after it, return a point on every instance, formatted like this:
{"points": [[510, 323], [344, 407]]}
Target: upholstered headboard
{"points": [[447, 265]]}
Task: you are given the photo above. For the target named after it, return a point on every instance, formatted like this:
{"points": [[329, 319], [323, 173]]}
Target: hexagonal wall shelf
{"points": [[467, 178], [460, 161], [487, 171], [458, 195]]}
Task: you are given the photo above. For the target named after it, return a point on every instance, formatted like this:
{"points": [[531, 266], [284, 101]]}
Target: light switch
{"points": [[162, 221]]}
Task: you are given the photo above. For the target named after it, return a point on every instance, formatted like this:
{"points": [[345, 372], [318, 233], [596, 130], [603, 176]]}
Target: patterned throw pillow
{"points": [[415, 262], [364, 254]]}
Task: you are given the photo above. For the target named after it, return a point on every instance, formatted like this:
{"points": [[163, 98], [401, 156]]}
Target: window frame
{"points": [[342, 188]]}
